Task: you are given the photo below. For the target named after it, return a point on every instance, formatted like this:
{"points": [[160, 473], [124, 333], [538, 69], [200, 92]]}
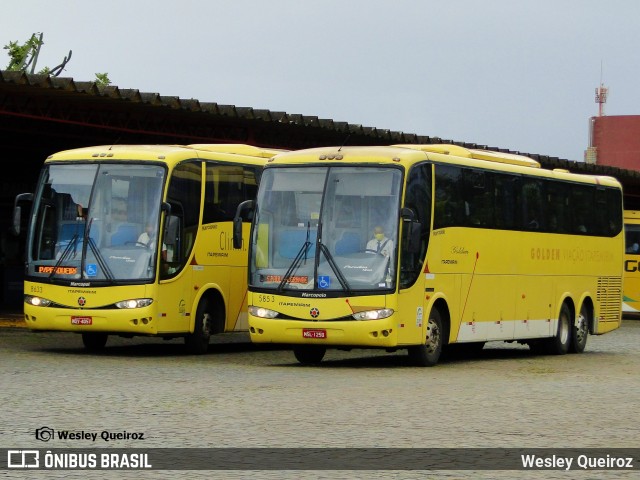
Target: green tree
{"points": [[24, 57], [102, 79]]}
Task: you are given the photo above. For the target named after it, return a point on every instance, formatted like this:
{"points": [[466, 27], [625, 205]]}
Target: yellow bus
{"points": [[135, 240], [482, 246], [631, 301]]}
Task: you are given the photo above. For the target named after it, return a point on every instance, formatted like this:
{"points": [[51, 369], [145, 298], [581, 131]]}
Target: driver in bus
{"points": [[380, 244]]}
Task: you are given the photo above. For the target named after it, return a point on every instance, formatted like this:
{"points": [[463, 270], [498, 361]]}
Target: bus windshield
{"points": [[96, 222], [326, 228]]}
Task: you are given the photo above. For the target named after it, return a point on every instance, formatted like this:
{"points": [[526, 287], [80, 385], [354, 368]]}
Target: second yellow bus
{"points": [[422, 247]]}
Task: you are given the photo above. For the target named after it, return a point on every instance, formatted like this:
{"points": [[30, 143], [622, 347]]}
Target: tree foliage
{"points": [[24, 57]]}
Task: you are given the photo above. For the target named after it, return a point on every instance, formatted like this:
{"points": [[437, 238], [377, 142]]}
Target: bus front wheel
{"points": [[428, 354], [94, 342], [309, 354], [197, 343]]}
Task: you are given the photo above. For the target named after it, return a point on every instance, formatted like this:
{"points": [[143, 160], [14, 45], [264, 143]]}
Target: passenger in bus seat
{"points": [[148, 238]]}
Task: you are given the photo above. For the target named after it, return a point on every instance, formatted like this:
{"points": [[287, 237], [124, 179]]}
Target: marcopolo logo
{"points": [[44, 434]]}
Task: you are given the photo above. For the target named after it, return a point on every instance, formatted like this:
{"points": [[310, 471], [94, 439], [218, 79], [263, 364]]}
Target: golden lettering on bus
{"points": [[538, 253], [578, 254]]}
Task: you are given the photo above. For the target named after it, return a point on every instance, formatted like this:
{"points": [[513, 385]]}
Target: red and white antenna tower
{"points": [[601, 95]]}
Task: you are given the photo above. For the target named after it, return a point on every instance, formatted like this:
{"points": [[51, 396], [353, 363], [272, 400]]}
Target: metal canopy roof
{"points": [[59, 113]]}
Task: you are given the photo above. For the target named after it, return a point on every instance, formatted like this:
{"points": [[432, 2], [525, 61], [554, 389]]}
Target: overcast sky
{"points": [[519, 75]]}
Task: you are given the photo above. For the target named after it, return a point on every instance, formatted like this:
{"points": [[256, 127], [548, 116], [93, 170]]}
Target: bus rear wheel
{"points": [[309, 354], [94, 342], [428, 354], [558, 344], [580, 331], [197, 343]]}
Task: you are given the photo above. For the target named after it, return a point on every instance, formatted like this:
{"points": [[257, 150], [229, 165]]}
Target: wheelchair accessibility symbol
{"points": [[324, 281], [91, 270]]}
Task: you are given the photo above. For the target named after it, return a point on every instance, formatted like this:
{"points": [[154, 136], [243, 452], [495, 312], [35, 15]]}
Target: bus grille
{"points": [[610, 298]]}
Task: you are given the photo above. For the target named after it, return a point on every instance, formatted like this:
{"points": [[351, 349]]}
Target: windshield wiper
{"points": [[341, 278], [94, 249], [302, 253], [65, 254]]}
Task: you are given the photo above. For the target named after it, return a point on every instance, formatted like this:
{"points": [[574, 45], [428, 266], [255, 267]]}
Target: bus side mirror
{"points": [[17, 211], [237, 222]]}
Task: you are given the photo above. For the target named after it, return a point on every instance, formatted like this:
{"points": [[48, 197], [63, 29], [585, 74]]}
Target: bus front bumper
{"points": [[351, 333], [139, 321]]}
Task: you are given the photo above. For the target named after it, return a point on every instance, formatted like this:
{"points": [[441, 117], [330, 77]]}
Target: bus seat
{"points": [[69, 230], [291, 241], [348, 243], [125, 233]]}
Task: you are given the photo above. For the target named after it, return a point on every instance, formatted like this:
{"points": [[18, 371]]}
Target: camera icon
{"points": [[44, 434]]}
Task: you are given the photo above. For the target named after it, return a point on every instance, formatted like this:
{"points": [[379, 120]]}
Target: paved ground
{"points": [[239, 395]]}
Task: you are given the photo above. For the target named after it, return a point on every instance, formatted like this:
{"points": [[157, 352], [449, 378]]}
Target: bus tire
{"points": [[197, 343], [559, 344], [94, 342], [428, 353], [309, 354], [580, 331]]}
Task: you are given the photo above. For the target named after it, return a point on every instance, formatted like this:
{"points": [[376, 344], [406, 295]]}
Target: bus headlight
{"points": [[262, 312], [373, 314], [135, 303], [37, 301]]}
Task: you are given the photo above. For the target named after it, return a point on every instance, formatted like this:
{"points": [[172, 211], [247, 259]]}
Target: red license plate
{"points": [[314, 333], [81, 320]]}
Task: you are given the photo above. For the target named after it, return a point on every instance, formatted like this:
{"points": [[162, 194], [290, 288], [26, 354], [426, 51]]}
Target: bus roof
{"points": [[458, 151], [443, 153], [238, 149], [167, 153]]}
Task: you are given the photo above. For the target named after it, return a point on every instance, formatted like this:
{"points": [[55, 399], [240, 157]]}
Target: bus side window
{"points": [[632, 240], [532, 214]]}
